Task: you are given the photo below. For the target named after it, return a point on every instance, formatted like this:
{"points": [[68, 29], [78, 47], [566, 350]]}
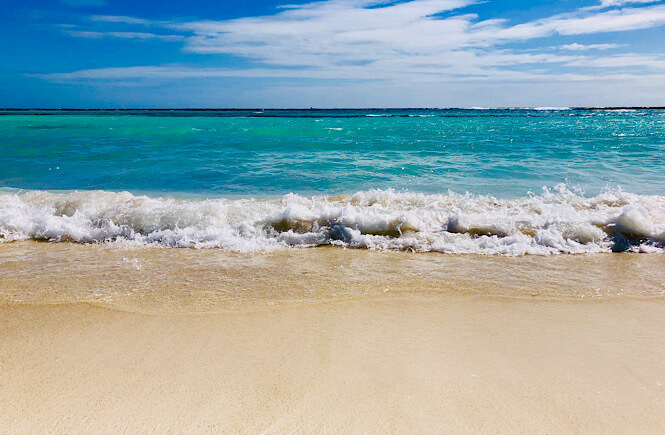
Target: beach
{"points": [[100, 338], [332, 216], [397, 270]]}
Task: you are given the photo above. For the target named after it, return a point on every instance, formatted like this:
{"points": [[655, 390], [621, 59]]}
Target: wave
{"points": [[557, 221], [552, 109]]}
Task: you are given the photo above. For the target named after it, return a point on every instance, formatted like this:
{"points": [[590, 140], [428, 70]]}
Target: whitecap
{"points": [[558, 221]]}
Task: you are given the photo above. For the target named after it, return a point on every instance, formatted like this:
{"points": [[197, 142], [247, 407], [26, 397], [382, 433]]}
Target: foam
{"points": [[557, 221], [552, 109]]}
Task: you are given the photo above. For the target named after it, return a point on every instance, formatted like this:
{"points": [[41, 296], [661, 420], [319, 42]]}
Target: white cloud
{"points": [[629, 60], [335, 33], [583, 22], [414, 41], [171, 72], [610, 3], [123, 35], [582, 47], [120, 19]]}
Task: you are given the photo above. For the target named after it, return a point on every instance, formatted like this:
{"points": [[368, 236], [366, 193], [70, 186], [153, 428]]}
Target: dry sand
{"points": [[491, 360]]}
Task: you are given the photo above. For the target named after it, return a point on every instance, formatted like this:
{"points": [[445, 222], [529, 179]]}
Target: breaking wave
{"points": [[557, 221]]}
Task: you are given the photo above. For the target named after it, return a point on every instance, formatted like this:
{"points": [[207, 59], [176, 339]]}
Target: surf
{"points": [[555, 221]]}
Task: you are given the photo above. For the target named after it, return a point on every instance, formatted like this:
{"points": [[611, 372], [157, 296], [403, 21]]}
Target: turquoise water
{"points": [[508, 182], [505, 153]]}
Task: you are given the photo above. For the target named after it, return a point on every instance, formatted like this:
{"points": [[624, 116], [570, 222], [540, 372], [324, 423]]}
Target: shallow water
{"points": [[156, 280], [504, 153]]}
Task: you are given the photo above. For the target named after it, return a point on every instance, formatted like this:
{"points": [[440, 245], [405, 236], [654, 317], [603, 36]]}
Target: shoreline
{"points": [[183, 280]]}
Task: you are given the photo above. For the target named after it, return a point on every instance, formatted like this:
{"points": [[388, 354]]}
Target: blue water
{"points": [[508, 182], [505, 153]]}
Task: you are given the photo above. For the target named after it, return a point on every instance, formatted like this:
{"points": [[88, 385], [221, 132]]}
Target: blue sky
{"points": [[332, 53]]}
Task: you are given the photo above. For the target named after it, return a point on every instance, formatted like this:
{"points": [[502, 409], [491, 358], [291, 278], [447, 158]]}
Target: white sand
{"points": [[99, 339], [382, 364]]}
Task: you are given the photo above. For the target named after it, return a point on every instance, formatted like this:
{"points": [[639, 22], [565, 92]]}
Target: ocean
{"points": [[482, 181]]}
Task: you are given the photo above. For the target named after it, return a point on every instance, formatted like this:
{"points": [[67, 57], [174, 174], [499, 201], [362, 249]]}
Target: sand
{"points": [[504, 356]]}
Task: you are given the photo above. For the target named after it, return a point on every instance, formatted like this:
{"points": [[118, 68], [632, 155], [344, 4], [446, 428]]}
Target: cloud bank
{"points": [[416, 41]]}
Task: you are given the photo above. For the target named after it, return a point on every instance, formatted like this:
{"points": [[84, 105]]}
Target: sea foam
{"points": [[557, 221]]}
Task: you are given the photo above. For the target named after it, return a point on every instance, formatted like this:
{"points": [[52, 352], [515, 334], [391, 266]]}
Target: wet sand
{"points": [[94, 338]]}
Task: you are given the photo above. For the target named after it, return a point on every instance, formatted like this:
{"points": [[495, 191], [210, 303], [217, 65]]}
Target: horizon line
{"points": [[213, 109]]}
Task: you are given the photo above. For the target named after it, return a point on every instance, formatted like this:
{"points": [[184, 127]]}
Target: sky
{"points": [[332, 53]]}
